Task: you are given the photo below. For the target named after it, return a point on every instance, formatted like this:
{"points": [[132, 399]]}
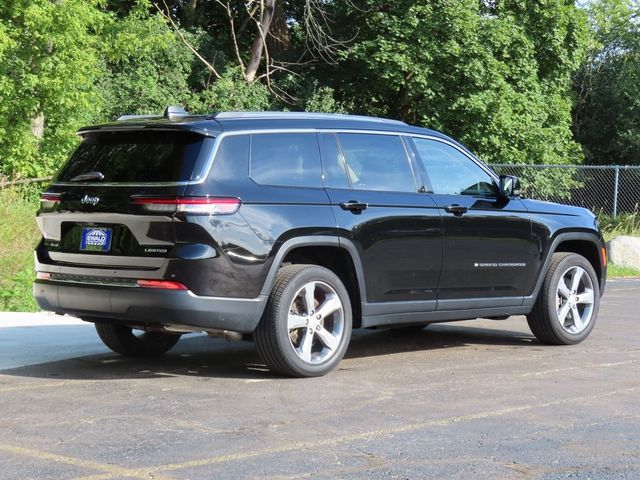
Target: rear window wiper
{"points": [[85, 177]]}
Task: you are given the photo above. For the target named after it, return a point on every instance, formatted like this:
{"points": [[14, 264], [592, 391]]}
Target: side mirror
{"points": [[509, 186]]}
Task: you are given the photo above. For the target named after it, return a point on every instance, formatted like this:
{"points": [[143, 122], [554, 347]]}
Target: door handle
{"points": [[457, 210], [353, 206]]}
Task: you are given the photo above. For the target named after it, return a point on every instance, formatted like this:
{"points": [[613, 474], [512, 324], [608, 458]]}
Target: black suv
{"points": [[296, 228]]}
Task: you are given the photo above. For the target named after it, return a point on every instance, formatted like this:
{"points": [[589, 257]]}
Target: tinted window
{"points": [[232, 159], [289, 159], [377, 162], [135, 156], [334, 167], [451, 172]]}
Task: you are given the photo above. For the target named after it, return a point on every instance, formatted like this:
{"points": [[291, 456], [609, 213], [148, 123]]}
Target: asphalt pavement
{"points": [[468, 400]]}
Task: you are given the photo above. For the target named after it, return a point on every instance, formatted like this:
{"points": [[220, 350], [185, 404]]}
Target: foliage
{"points": [[555, 184], [625, 224], [231, 92], [607, 110], [145, 67], [48, 67], [494, 74], [18, 237], [495, 77]]}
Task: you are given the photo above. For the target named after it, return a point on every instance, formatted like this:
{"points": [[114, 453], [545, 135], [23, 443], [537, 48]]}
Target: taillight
{"points": [[190, 205], [162, 284], [49, 200], [43, 275]]}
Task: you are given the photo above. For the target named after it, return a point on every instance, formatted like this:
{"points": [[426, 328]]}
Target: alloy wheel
{"points": [[574, 300], [315, 322]]}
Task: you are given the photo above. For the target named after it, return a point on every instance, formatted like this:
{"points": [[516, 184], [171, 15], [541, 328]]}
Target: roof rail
{"points": [[301, 116]]}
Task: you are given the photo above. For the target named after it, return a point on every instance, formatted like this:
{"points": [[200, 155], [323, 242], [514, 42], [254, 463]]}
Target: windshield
{"points": [[140, 157]]}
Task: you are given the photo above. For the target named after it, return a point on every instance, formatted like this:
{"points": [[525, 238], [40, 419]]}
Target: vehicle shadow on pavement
{"points": [[399, 340], [199, 356]]}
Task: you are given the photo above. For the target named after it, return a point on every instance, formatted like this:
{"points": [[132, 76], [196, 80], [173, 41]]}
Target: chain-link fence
{"points": [[609, 189]]}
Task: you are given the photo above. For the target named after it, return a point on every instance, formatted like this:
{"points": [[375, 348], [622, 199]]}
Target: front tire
{"points": [[122, 340], [567, 306], [306, 327]]}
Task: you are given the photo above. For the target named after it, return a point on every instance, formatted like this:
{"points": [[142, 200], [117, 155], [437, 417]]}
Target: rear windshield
{"points": [[140, 157]]}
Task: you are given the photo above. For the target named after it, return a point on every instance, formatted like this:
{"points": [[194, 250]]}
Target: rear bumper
{"points": [[146, 306]]}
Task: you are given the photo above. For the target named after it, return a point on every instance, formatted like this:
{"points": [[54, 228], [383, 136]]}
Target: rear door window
{"points": [[286, 159], [377, 162], [135, 157]]}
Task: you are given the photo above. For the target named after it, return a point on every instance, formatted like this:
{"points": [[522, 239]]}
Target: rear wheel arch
{"points": [[338, 255]]}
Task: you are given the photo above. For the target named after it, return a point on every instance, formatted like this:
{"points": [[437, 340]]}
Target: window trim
{"points": [[417, 164], [475, 161], [340, 152]]}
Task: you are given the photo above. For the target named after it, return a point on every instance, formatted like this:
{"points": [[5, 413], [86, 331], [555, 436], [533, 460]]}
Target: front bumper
{"points": [[147, 306]]}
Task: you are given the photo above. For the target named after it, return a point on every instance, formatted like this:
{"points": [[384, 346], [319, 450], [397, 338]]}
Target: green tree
{"points": [[145, 66], [48, 67], [607, 111], [495, 75]]}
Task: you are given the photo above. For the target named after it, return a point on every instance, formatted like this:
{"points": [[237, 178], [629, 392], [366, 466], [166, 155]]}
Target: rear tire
{"points": [[306, 326], [122, 340], [567, 306]]}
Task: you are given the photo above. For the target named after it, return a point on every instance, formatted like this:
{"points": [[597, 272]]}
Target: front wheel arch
{"points": [[568, 242]]}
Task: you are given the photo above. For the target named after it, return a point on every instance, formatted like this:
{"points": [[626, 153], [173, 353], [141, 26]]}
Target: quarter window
{"points": [[287, 159], [451, 172], [377, 162]]}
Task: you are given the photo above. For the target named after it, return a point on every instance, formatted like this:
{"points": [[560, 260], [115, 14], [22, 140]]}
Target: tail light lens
{"points": [[190, 205], [162, 284], [49, 201], [43, 275]]}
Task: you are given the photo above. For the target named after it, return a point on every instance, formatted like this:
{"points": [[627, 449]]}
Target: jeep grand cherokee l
{"points": [[296, 228]]}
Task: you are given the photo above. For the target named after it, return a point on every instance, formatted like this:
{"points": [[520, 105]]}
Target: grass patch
{"points": [[625, 224], [618, 271], [19, 235]]}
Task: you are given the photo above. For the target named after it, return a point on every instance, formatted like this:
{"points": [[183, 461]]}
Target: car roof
{"points": [[214, 124]]}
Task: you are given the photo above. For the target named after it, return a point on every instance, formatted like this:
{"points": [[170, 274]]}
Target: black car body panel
{"points": [[412, 256]]}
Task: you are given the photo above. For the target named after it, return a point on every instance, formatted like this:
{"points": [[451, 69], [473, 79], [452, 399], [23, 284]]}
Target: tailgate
{"points": [[88, 216]]}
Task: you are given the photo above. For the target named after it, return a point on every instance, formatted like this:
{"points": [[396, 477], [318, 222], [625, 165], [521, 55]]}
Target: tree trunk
{"points": [[37, 126], [258, 46], [278, 38], [190, 14]]}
